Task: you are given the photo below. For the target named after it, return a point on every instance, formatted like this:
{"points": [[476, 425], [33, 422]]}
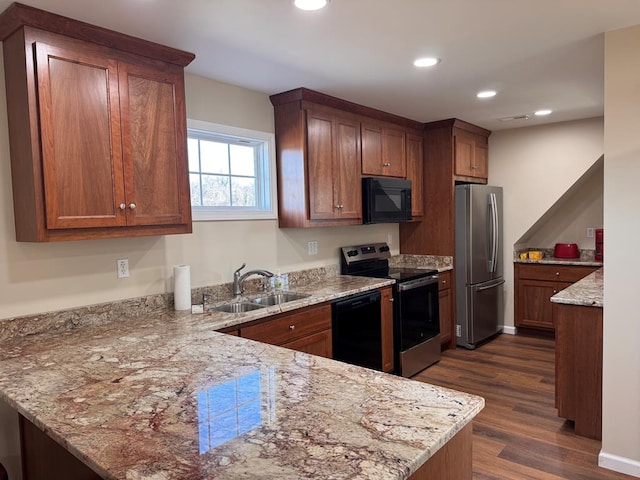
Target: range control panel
{"points": [[365, 252]]}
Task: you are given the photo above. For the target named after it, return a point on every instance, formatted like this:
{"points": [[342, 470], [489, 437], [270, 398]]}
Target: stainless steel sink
{"points": [[278, 298], [237, 307]]}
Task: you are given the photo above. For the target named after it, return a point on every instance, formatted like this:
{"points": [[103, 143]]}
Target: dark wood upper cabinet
{"points": [[97, 130], [325, 145], [383, 150], [451, 148]]}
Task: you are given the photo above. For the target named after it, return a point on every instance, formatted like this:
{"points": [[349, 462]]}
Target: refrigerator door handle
{"points": [[488, 287], [494, 232]]}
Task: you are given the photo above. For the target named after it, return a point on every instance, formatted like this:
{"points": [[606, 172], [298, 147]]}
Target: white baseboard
{"points": [[619, 464], [509, 330]]}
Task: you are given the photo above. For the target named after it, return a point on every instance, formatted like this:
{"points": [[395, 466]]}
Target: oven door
{"points": [[418, 316], [416, 325]]}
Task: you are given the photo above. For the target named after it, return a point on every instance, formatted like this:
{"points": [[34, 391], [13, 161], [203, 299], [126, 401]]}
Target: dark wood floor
{"points": [[518, 435]]}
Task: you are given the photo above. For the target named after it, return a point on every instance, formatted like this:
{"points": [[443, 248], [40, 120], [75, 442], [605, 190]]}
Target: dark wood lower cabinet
{"points": [[452, 462], [44, 459], [445, 303], [535, 284], [579, 367]]}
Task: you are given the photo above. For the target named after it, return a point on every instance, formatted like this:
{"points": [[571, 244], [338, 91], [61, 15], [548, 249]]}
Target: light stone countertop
{"points": [[586, 292], [562, 261], [147, 396]]}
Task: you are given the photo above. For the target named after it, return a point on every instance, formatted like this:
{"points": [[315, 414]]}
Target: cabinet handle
{"points": [[132, 206], [292, 327], [122, 206]]}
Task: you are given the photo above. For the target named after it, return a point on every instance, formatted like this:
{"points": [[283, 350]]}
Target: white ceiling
{"points": [[535, 53]]}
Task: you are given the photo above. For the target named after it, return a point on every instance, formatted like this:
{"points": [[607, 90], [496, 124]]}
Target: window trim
{"points": [[204, 214]]}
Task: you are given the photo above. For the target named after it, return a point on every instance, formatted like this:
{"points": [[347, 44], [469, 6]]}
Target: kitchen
{"points": [[46, 277]]}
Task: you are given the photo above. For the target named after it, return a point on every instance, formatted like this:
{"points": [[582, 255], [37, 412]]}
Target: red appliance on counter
{"points": [[599, 244], [566, 250]]}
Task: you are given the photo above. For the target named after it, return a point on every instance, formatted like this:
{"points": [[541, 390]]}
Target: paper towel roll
{"points": [[182, 287]]}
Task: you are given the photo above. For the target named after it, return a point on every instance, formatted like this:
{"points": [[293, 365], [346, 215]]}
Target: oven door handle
{"points": [[417, 283]]}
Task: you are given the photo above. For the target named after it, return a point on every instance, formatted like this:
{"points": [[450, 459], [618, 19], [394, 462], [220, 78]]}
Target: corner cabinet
{"points": [[97, 130], [325, 145]]}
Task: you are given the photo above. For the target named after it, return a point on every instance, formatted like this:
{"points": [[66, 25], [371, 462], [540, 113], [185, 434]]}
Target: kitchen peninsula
{"points": [[162, 395], [579, 336]]}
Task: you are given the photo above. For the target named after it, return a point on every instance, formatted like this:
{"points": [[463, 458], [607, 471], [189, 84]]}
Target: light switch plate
{"points": [[589, 232]]}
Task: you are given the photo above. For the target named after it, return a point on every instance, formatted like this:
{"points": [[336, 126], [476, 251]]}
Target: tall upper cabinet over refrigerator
{"points": [[478, 263]]}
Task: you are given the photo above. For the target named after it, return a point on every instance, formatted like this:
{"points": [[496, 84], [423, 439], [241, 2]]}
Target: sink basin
{"points": [[278, 298], [237, 307]]}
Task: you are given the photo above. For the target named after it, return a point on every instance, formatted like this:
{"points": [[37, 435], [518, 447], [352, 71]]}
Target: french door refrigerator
{"points": [[478, 263]]}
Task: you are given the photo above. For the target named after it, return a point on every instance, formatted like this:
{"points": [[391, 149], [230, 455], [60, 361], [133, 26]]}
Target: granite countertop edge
{"points": [[587, 292]]}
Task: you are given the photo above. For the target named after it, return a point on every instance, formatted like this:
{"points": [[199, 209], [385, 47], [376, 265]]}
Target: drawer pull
{"points": [[292, 327]]}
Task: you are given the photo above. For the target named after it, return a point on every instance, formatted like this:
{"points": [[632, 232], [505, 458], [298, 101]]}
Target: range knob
{"points": [[352, 253]]}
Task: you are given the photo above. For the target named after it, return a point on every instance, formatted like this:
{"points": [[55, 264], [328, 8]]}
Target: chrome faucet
{"points": [[238, 279]]}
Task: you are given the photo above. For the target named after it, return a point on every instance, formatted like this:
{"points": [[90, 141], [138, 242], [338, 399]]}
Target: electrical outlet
{"points": [[389, 239], [458, 330], [122, 268], [312, 248], [589, 232]]}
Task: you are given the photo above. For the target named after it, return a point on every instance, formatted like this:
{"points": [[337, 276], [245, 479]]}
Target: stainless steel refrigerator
{"points": [[478, 263]]}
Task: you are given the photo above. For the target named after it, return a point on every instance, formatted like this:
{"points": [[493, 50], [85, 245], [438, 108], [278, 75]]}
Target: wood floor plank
{"points": [[518, 436]]}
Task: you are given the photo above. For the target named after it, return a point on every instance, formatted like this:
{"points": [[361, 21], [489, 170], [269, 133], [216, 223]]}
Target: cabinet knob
{"points": [[386, 164], [132, 206], [444, 282], [339, 207], [122, 206], [292, 327], [557, 274], [391, 299]]}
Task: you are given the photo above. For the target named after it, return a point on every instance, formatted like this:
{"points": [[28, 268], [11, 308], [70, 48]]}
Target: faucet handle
{"points": [[237, 272]]}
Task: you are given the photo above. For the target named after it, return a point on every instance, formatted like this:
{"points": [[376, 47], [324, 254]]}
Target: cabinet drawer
{"points": [[445, 281], [290, 327], [563, 273]]}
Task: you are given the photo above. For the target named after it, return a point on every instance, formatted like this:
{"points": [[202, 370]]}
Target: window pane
{"points": [[243, 160], [215, 191], [194, 155], [243, 191], [214, 157], [196, 199]]}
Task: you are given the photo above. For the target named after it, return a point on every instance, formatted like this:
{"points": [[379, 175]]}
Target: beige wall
{"points": [[38, 277], [536, 166], [621, 374]]}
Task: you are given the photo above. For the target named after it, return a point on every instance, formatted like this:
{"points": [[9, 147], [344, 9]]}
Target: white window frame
{"points": [[203, 214]]}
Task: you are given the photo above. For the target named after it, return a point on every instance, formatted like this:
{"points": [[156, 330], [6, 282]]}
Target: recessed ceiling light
{"points": [[543, 112], [486, 94], [310, 4], [426, 62]]}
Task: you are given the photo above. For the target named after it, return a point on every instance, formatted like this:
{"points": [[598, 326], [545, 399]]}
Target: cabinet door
{"points": [[415, 173], [333, 151], [481, 163], [80, 134], [386, 310], [464, 151], [154, 145], [534, 307], [315, 344], [445, 312], [383, 151], [347, 168]]}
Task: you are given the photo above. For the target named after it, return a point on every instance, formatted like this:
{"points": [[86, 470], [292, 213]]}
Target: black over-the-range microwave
{"points": [[386, 200]]}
